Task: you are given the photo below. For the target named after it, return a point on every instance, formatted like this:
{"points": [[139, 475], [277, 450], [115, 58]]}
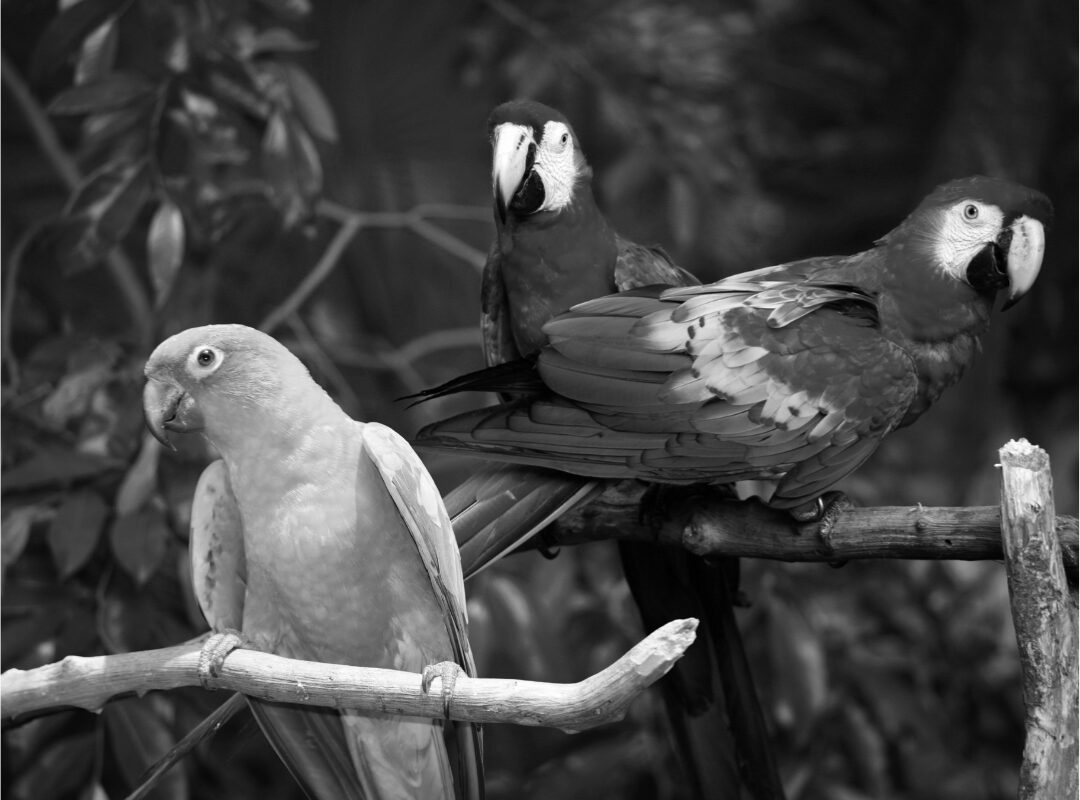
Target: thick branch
{"points": [[706, 524], [604, 697], [1045, 615]]}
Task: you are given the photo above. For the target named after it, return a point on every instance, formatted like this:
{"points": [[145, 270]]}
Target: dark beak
{"points": [[166, 407]]}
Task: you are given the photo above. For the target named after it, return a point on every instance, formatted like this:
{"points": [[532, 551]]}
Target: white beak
{"points": [[1024, 257], [511, 153]]}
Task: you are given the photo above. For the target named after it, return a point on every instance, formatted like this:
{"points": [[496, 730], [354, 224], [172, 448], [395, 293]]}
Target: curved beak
{"points": [[513, 150], [166, 407], [1026, 243]]}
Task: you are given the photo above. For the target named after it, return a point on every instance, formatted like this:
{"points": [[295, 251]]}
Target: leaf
{"points": [[279, 40], [165, 248], [66, 32], [138, 541], [115, 90], [72, 395], [15, 532], [311, 103], [138, 737], [141, 480], [63, 767], [98, 53], [292, 166], [101, 212], [75, 530], [799, 668], [54, 467]]}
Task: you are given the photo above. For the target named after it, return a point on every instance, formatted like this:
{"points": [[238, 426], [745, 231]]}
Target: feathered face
{"points": [[536, 160], [216, 379], [987, 233]]}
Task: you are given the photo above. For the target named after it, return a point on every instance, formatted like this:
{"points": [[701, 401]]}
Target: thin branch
{"points": [[707, 525], [350, 224], [120, 267], [89, 682], [208, 727], [1045, 615], [325, 364]]}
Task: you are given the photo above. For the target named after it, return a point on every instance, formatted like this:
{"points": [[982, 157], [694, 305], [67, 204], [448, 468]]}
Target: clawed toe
{"points": [[214, 652], [447, 672]]}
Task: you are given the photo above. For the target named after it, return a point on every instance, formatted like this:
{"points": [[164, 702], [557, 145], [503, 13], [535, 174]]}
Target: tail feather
{"points": [[312, 744], [512, 377], [500, 507]]}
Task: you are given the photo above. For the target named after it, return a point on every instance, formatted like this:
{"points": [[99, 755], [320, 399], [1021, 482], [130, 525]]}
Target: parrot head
{"points": [[536, 159], [222, 381], [985, 232]]}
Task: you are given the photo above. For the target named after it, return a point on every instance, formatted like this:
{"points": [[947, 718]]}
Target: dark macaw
{"points": [[553, 249], [776, 382], [321, 538], [780, 381]]}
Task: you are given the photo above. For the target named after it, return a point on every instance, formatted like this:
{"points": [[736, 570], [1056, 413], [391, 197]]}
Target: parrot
{"points": [[779, 381], [553, 248], [773, 383], [318, 537]]}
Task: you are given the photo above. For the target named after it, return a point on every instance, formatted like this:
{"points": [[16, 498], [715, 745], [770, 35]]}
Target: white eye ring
{"points": [[205, 359], [971, 212]]}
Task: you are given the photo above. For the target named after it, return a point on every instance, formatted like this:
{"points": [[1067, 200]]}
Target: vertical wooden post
{"points": [[1044, 611]]}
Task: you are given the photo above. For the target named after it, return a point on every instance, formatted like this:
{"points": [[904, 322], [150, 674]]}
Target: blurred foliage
{"points": [[163, 167]]}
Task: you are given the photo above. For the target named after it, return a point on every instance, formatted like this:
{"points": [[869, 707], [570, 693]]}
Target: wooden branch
{"points": [[707, 524], [1045, 615], [89, 682]]}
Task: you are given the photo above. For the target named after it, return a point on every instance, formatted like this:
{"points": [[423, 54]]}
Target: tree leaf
{"points": [[138, 541], [165, 248], [98, 54], [15, 532], [139, 737], [113, 91], [311, 104], [72, 394], [292, 167], [279, 40], [75, 530], [141, 480], [63, 767], [101, 212], [66, 32], [54, 467]]}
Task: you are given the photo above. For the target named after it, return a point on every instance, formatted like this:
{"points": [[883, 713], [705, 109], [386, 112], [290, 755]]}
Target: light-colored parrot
{"points": [[321, 538]]}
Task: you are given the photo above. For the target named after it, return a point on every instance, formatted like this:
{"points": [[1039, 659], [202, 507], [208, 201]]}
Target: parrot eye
{"points": [[564, 139], [971, 211], [205, 359]]}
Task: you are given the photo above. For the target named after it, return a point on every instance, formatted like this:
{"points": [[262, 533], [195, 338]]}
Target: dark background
{"points": [[736, 135]]}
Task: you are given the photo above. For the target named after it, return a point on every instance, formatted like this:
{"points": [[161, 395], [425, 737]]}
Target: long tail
{"points": [[337, 755], [500, 507], [710, 695]]}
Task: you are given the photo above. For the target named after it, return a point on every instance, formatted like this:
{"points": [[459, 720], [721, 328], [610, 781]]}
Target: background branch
{"points": [[119, 265], [90, 682]]}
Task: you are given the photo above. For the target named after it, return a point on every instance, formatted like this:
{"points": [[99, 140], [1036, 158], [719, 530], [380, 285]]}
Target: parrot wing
{"points": [[218, 569], [745, 379], [417, 498], [498, 338], [637, 265], [310, 741]]}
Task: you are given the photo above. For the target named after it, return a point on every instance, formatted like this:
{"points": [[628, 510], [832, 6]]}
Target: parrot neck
{"points": [[552, 261], [938, 321]]}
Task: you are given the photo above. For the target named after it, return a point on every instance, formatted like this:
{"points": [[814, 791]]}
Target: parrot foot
{"points": [[214, 652], [447, 672], [819, 517]]}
